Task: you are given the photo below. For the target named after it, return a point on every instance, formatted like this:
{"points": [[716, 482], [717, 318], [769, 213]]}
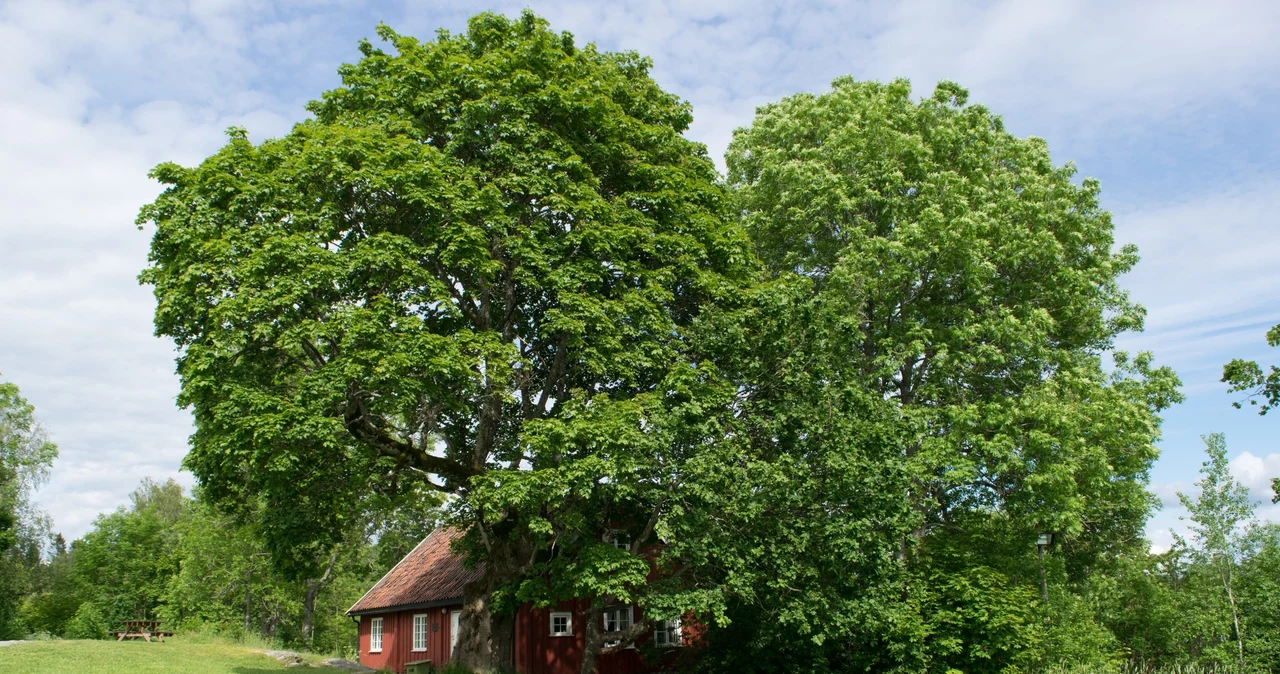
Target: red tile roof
{"points": [[431, 574]]}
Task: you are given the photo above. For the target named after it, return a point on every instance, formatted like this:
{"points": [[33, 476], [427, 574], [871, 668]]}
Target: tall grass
{"points": [[1141, 668]]}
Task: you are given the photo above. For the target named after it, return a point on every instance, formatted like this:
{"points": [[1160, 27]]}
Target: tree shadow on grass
{"points": [[258, 670]]}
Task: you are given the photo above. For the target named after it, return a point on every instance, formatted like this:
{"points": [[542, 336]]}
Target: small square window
{"points": [[619, 539], [561, 624], [616, 620], [666, 633]]}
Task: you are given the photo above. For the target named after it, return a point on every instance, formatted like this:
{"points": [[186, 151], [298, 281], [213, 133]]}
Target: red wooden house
{"points": [[411, 616]]}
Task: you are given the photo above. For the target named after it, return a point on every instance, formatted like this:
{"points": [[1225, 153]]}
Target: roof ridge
{"points": [[430, 573], [392, 569]]}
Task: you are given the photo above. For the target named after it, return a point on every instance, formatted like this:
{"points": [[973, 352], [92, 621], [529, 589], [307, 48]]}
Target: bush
{"points": [[89, 622], [49, 611], [1074, 638]]}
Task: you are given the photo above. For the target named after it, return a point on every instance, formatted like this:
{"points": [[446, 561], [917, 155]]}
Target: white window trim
{"points": [[568, 616], [611, 537], [375, 627], [677, 638], [631, 620], [425, 632]]}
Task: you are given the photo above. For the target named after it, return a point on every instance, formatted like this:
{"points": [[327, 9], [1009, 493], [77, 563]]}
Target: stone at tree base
{"points": [[289, 658], [346, 665]]}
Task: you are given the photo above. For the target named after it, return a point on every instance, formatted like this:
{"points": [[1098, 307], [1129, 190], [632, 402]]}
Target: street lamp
{"points": [[1043, 541]]}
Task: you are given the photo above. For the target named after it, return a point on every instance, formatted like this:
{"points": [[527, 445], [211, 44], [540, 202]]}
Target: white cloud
{"points": [[1256, 473], [1252, 471]]}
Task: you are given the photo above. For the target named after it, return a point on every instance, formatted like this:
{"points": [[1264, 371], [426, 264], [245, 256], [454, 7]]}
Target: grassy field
{"points": [[140, 657]]}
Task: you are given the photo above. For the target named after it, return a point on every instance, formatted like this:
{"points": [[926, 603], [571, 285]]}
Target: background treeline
{"points": [[171, 557]]}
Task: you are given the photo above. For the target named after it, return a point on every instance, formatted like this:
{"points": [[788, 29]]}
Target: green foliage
{"points": [[1216, 514], [1259, 583], [1137, 602], [980, 284], [478, 243], [953, 295], [89, 622], [198, 570], [1247, 376], [126, 559], [26, 455], [979, 620], [1075, 634]]}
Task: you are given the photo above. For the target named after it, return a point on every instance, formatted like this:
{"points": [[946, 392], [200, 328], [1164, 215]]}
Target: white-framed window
{"points": [[561, 624], [420, 632], [666, 633], [616, 620], [618, 539], [375, 635]]}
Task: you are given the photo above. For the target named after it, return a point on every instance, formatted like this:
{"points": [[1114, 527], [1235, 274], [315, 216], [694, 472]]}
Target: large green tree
{"points": [[478, 243], [976, 286]]}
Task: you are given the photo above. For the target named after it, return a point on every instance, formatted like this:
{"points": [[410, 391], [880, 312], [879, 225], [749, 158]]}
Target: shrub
{"points": [[89, 622]]}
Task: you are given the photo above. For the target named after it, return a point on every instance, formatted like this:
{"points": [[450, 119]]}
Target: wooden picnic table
{"points": [[141, 629]]}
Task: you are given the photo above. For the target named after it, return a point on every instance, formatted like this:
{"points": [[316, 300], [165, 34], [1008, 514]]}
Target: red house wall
{"points": [[397, 638], [535, 652]]}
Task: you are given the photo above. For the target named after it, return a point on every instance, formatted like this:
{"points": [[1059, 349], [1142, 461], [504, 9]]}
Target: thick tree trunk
{"points": [[309, 608], [486, 638], [594, 646], [594, 640], [313, 588]]}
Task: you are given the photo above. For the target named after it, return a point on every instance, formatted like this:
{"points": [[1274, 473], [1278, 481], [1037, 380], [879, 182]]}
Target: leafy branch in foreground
{"points": [[1262, 388]]}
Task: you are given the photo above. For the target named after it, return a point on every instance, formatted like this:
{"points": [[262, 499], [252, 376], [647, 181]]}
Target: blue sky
{"points": [[1170, 105]]}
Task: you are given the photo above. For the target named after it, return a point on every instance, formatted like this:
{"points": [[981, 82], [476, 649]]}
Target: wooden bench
{"points": [[141, 629]]}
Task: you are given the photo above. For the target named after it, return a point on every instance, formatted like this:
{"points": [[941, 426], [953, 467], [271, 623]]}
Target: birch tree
{"points": [[1218, 514]]}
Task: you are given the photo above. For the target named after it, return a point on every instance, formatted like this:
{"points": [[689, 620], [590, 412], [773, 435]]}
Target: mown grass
{"points": [[190, 656]]}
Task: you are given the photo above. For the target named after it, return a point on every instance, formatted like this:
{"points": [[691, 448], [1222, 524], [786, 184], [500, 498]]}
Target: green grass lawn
{"points": [[140, 657]]}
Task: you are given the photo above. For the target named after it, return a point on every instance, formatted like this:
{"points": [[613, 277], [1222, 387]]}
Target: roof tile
{"points": [[432, 572]]}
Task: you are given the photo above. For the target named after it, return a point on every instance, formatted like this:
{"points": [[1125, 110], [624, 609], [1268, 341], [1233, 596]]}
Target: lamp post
{"points": [[1043, 541]]}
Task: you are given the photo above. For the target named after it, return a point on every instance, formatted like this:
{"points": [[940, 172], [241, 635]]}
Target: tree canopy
{"points": [[979, 284], [845, 388], [476, 244], [959, 292]]}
